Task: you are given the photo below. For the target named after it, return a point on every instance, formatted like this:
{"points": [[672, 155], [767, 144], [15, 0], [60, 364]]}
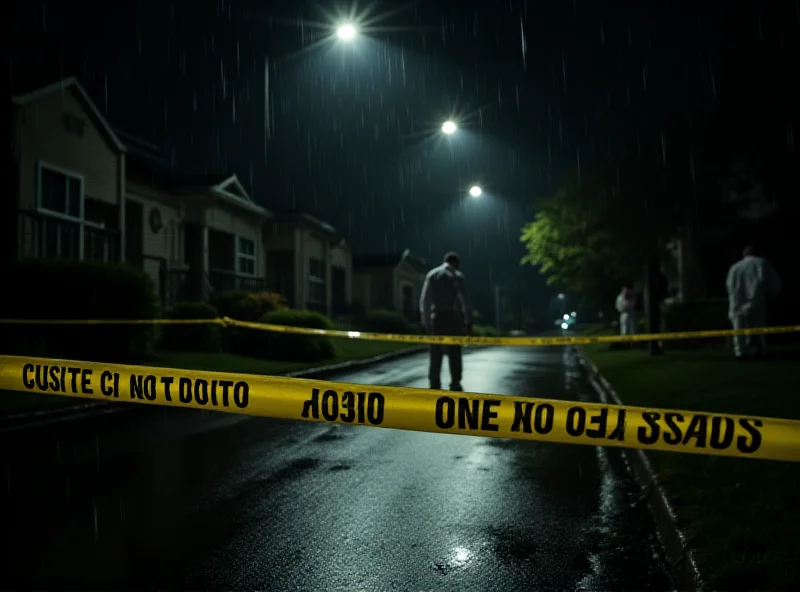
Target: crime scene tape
{"points": [[428, 339], [544, 420]]}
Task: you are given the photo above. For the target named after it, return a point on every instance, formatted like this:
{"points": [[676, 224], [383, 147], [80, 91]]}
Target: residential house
{"points": [[85, 194], [198, 234], [392, 282], [309, 263], [71, 183]]}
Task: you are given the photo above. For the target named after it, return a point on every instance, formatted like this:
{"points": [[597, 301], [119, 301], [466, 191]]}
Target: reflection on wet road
{"points": [[175, 498]]}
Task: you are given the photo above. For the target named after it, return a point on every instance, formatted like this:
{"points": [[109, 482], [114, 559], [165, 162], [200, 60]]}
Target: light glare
{"points": [[449, 127], [475, 191], [346, 32]]}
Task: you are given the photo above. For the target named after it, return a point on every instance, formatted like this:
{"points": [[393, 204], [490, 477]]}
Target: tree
{"points": [[598, 231]]}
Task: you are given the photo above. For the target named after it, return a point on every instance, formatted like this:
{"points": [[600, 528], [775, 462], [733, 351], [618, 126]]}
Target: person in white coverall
{"points": [[626, 307], [750, 281]]}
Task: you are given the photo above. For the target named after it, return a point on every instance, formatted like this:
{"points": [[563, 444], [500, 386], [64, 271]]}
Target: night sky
{"points": [[540, 89]]}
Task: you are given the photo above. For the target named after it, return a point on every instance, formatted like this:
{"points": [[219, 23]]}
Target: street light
{"points": [[346, 32], [475, 191], [449, 128]]}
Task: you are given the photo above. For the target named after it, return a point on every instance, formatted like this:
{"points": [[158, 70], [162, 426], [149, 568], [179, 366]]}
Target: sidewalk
{"points": [[738, 515]]}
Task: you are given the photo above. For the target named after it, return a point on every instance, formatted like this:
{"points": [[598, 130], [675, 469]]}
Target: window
{"points": [[60, 193], [245, 256], [316, 281], [60, 205]]}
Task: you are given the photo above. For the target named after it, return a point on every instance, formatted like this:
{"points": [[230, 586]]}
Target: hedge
{"points": [[251, 307], [486, 331], [297, 348], [196, 338], [225, 302], [62, 289], [385, 321]]}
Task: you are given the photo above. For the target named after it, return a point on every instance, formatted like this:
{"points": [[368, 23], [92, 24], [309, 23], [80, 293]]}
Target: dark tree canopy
{"points": [[599, 230]]}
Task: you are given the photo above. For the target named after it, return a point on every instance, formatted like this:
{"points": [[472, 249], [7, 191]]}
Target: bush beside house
{"points": [[250, 307], [299, 348], [385, 321], [486, 331], [57, 289], [225, 302]]}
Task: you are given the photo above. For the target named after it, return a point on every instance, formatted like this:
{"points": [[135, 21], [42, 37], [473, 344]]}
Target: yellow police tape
{"points": [[424, 339], [405, 408]]}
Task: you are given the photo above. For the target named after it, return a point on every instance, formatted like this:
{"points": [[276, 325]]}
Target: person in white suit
{"points": [[750, 281], [626, 307]]}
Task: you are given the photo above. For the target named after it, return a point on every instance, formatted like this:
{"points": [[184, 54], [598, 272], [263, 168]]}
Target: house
{"points": [[392, 282], [198, 234], [71, 176], [85, 194], [309, 263]]}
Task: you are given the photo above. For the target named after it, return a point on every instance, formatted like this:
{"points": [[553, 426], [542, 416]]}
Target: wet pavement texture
{"points": [[192, 499]]}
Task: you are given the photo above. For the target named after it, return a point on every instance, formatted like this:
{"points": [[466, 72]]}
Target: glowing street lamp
{"points": [[346, 32], [475, 191], [449, 128]]}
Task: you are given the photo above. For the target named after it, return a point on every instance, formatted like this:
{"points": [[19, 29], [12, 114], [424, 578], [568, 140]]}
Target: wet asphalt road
{"points": [[177, 498]]}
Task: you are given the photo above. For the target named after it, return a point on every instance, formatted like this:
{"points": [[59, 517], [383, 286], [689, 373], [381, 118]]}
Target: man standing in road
{"points": [[446, 309], [750, 281]]}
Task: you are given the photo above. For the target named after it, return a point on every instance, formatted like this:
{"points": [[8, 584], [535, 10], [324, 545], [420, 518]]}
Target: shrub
{"points": [[61, 289], [252, 307], [486, 331], [695, 315], [385, 321], [296, 348], [225, 302], [197, 338]]}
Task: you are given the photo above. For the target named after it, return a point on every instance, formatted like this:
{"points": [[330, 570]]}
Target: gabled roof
{"points": [[145, 166], [73, 84], [232, 188]]}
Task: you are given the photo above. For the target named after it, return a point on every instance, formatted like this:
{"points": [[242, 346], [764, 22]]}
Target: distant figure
{"points": [[626, 307], [750, 281], [446, 309]]}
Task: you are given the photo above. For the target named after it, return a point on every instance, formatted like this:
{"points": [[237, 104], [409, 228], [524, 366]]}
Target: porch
{"points": [[49, 236]]}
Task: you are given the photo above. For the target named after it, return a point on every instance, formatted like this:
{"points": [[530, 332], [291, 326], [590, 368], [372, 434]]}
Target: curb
{"points": [[683, 568], [21, 421]]}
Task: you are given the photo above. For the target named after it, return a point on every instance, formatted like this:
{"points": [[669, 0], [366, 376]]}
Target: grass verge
{"points": [[739, 515], [12, 402]]}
